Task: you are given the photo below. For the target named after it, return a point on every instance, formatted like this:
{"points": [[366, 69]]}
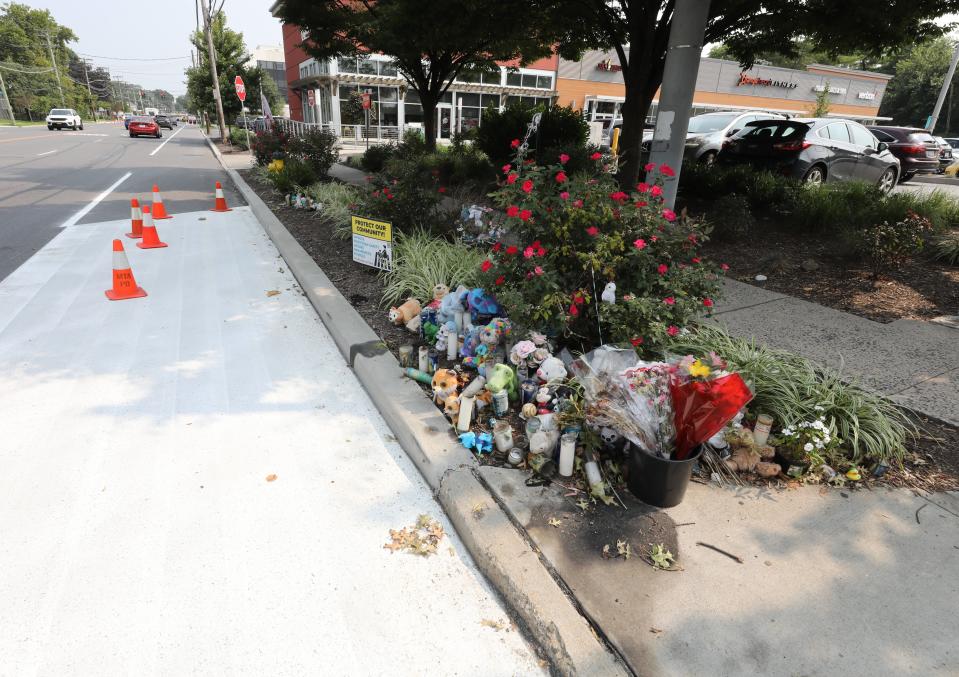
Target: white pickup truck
{"points": [[64, 117]]}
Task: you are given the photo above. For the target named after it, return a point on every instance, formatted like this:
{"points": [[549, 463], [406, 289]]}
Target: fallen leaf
{"points": [[273, 292], [661, 557], [623, 548], [583, 503], [270, 478], [420, 539], [496, 625], [553, 522], [655, 631]]}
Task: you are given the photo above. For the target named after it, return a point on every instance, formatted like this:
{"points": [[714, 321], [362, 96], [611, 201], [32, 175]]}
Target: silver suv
{"points": [[706, 133]]}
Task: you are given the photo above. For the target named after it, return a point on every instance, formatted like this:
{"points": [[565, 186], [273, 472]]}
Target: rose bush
{"points": [[577, 232]]}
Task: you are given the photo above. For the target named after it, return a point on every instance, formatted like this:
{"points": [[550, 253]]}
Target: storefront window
{"points": [[387, 68], [527, 101], [326, 105], [346, 64], [367, 66], [514, 79], [412, 110], [490, 100]]}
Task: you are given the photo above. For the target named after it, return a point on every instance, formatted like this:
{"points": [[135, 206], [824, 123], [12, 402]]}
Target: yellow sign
{"points": [[372, 242]]}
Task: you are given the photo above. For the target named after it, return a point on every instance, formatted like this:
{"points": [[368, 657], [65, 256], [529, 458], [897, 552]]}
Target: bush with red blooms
{"points": [[574, 234]]}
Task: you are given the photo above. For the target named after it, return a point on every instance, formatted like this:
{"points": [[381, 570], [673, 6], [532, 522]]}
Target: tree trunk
{"points": [[428, 101], [634, 110]]}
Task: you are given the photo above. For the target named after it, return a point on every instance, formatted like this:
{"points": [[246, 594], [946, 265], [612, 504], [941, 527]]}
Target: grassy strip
{"points": [[421, 261]]}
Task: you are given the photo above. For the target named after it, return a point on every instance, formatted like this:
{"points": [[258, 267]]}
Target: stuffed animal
{"points": [[768, 470], [502, 376], [542, 400], [493, 333], [445, 382], [405, 312], [609, 293], [483, 307], [414, 324], [528, 411], [439, 291], [451, 407], [551, 371], [484, 399], [443, 335], [452, 302]]}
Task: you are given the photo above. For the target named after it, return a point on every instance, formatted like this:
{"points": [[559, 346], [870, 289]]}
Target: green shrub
{"points": [[412, 145], [421, 261], [376, 156], [407, 194], [561, 129], [946, 247], [731, 218], [318, 148], [577, 233], [295, 175], [789, 388], [238, 138], [338, 200], [887, 245], [269, 144]]}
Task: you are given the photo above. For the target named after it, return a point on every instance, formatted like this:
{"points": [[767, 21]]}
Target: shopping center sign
{"points": [[745, 79], [608, 66]]}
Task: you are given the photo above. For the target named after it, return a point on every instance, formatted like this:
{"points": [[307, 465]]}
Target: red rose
{"points": [[724, 266], [638, 341], [511, 250], [642, 187], [593, 231], [596, 156], [563, 158], [663, 269], [514, 143], [541, 252], [655, 191], [512, 211], [500, 280], [525, 214], [673, 330], [511, 179], [487, 264], [574, 311], [640, 203], [527, 186], [497, 246], [506, 168], [577, 203], [650, 166], [697, 260], [708, 303], [669, 300], [561, 177], [666, 170]]}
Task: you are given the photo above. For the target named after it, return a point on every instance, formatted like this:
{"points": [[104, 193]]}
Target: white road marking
{"points": [[82, 134], [86, 210], [158, 148], [47, 153]]}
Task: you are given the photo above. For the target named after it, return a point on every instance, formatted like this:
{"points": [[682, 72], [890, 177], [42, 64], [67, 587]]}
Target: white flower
{"points": [[808, 447], [819, 407]]}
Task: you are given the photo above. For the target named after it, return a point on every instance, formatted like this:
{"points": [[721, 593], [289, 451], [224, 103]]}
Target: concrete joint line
{"points": [[752, 305], [925, 380], [500, 550]]}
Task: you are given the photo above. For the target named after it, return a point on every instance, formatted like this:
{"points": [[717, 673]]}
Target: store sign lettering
{"points": [[745, 79], [608, 66], [868, 96], [832, 90]]}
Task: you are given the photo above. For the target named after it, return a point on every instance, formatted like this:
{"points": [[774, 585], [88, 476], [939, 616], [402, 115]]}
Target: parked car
{"points": [[60, 118], [917, 151], [813, 150], [945, 153], [126, 120], [144, 125], [953, 142], [163, 121]]}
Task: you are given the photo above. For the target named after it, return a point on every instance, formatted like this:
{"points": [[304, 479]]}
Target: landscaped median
{"points": [[560, 332]]}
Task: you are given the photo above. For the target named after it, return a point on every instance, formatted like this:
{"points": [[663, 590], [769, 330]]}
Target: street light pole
{"points": [[934, 118], [6, 100], [207, 20], [676, 100], [93, 103], [56, 72]]}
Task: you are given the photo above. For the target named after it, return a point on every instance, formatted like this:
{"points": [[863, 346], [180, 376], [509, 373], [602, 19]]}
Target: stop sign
{"points": [[240, 88]]}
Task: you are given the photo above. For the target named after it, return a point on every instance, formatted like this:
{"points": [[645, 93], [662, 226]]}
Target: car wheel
{"points": [[81, 127], [132, 135], [708, 159], [816, 176], [887, 181], [159, 135], [50, 127], [906, 177]]}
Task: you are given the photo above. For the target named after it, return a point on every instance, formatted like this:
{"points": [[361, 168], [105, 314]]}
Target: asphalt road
{"points": [[52, 179]]}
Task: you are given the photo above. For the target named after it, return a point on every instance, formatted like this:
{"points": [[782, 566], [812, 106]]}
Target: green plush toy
{"points": [[503, 376]]}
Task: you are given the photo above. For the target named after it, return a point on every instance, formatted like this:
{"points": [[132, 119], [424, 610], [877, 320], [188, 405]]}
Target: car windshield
{"points": [[142, 118], [60, 111], [773, 130], [711, 122], [160, 117]]}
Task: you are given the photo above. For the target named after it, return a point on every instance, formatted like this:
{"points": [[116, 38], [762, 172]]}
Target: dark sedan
{"points": [[163, 121], [917, 150], [813, 150]]}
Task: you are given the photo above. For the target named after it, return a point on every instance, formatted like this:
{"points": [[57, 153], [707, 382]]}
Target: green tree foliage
{"points": [[431, 43], [231, 60], [638, 31], [912, 93], [803, 54]]}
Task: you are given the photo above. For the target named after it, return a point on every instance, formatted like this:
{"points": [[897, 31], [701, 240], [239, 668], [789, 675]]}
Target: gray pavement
{"points": [[48, 179]]}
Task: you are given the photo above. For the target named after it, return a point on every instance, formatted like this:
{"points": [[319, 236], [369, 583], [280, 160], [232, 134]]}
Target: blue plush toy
{"points": [[455, 300], [483, 307]]}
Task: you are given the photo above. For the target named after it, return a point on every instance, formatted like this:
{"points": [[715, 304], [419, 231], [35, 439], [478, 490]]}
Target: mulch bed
{"points": [[936, 452], [922, 289]]}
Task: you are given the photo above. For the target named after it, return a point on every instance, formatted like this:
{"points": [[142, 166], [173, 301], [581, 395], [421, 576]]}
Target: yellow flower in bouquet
{"points": [[697, 369]]}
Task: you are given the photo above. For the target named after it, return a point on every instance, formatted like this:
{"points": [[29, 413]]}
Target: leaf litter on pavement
{"points": [[422, 538]]}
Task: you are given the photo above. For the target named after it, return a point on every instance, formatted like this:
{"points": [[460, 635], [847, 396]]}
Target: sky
{"points": [[121, 30]]}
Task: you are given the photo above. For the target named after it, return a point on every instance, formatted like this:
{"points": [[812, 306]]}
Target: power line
{"points": [[27, 72], [120, 58]]}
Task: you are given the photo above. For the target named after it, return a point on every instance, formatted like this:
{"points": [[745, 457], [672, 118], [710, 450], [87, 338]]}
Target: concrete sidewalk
{"points": [[915, 364], [140, 532]]}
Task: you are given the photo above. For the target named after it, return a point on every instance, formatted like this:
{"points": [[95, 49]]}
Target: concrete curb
{"points": [[499, 550]]}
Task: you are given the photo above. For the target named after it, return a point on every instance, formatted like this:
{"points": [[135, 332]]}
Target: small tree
{"points": [[820, 108], [431, 43]]}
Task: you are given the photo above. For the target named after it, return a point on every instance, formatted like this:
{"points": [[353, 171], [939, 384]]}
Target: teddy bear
{"points": [[439, 291], [445, 382], [452, 302], [502, 376], [451, 407], [406, 312], [551, 371], [495, 332]]}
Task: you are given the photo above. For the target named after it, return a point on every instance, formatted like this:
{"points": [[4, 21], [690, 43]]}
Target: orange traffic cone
{"points": [[151, 239], [136, 218], [159, 211], [220, 200], [124, 286]]}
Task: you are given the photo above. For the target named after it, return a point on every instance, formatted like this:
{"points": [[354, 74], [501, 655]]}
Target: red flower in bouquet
{"points": [[507, 168], [564, 195], [669, 215], [497, 246], [708, 303], [663, 269], [650, 166], [655, 191], [501, 279], [724, 266], [640, 244], [642, 187], [640, 203], [696, 259], [672, 330], [669, 301], [528, 253], [618, 196], [638, 341], [538, 270]]}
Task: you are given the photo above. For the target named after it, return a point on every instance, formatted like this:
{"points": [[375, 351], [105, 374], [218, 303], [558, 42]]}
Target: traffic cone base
{"points": [[136, 219], [124, 284], [220, 203], [159, 211], [151, 239]]}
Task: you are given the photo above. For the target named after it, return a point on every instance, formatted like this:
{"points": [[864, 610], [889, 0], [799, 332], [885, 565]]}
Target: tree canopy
{"points": [[912, 93], [430, 42]]}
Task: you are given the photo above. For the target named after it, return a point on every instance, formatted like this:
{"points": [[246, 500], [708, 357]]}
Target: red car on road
{"points": [[142, 125]]}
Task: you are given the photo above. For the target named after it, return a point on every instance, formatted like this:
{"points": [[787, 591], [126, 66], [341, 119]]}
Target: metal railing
{"points": [[354, 133]]}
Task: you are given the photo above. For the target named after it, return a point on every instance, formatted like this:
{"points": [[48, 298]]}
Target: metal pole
{"points": [[53, 59], [213, 74], [6, 99], [934, 118], [676, 99], [93, 104]]}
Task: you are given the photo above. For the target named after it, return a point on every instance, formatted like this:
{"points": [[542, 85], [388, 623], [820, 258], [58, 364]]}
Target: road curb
{"points": [[499, 550]]}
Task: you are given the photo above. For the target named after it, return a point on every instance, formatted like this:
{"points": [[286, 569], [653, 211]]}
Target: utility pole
{"points": [[53, 59], [6, 100], [934, 118], [207, 20], [676, 100], [93, 102]]}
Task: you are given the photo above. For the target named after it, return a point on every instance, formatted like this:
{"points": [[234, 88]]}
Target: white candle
{"points": [[458, 320], [451, 347], [424, 359], [567, 452], [466, 413]]}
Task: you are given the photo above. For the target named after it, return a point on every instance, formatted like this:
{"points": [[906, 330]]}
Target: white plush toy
{"points": [[552, 370], [609, 294]]}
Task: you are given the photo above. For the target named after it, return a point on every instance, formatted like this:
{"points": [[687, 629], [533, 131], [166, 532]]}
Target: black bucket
{"points": [[656, 481]]}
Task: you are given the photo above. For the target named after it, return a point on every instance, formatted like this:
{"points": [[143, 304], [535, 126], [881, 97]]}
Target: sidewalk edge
{"points": [[498, 549]]}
